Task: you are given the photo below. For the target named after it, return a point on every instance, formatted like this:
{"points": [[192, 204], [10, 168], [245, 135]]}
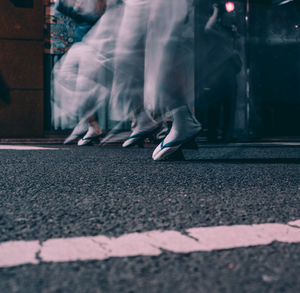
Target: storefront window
{"points": [[267, 102], [274, 52]]}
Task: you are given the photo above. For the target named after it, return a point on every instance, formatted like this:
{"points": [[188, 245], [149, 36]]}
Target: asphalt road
{"points": [[112, 191]]}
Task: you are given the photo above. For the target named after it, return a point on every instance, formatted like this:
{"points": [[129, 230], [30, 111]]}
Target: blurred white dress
{"points": [[154, 62], [169, 62], [82, 78], [128, 85]]}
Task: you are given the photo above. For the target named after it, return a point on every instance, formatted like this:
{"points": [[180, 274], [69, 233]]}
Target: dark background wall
{"points": [[21, 67], [268, 100], [202, 14], [274, 55]]}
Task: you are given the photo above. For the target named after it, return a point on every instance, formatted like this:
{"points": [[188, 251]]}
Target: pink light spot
{"points": [[229, 6]]}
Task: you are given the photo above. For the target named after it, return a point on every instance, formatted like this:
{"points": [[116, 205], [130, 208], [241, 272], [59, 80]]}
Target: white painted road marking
{"points": [[152, 243], [24, 148], [14, 253]]}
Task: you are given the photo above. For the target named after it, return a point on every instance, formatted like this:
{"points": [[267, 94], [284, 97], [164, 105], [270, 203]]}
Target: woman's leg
{"points": [[93, 133], [128, 84], [128, 81], [94, 72], [169, 70]]}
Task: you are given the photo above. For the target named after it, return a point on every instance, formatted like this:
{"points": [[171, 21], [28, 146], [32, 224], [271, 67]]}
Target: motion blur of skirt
{"points": [[82, 78], [169, 62], [154, 63], [128, 85]]}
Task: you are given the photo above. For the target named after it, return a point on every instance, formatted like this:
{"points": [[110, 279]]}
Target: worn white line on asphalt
{"points": [[14, 253], [295, 223], [25, 148], [152, 243]]}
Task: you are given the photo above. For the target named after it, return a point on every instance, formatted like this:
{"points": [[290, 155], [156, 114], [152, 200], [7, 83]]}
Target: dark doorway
{"points": [[274, 74]]}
